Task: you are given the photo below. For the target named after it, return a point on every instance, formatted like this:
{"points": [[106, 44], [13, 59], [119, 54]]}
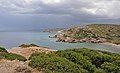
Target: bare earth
{"points": [[16, 66], [26, 52]]}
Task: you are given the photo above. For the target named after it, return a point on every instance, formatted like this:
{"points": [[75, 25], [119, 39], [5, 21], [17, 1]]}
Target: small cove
{"points": [[14, 39]]}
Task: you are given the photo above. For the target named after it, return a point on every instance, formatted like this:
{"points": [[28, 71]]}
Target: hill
{"points": [[81, 60], [95, 33]]}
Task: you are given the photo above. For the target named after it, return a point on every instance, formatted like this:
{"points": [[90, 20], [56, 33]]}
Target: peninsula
{"points": [[93, 33]]}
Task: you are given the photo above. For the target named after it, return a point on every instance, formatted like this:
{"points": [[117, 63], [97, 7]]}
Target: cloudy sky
{"points": [[37, 14]]}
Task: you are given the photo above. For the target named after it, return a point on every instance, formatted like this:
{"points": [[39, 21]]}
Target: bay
{"points": [[14, 39]]}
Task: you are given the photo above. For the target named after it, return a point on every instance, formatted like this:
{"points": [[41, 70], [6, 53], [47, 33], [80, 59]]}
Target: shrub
{"points": [[110, 68], [76, 61], [28, 45], [77, 58], [3, 50], [99, 70], [10, 56], [96, 57], [53, 64]]}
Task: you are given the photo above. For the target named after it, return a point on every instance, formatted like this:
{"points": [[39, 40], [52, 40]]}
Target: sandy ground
{"points": [[16, 66], [26, 52]]}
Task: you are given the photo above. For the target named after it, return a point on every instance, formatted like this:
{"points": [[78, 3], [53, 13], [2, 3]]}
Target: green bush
{"points": [[77, 58], [76, 61], [53, 64], [3, 50], [28, 45], [10, 56], [96, 57], [99, 70], [110, 68]]}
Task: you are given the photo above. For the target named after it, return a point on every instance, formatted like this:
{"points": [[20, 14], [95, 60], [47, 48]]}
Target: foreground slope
{"points": [[76, 61]]}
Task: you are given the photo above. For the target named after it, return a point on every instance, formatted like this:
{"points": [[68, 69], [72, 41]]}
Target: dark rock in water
{"points": [[72, 40], [55, 36]]}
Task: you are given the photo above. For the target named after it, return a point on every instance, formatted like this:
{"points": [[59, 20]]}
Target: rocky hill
{"points": [[95, 33]]}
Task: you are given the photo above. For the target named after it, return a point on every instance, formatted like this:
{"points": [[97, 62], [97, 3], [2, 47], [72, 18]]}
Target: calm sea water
{"points": [[13, 39]]}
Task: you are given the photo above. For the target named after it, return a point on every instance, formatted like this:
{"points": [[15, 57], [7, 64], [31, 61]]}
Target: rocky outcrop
{"points": [[73, 40]]}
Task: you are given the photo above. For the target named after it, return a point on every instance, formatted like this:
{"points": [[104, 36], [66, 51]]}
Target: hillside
{"points": [[81, 60], [15, 60], [95, 33]]}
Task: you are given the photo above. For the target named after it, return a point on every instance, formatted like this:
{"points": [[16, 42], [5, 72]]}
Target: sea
{"points": [[10, 39]]}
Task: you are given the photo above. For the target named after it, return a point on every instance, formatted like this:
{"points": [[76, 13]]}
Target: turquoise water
{"points": [[13, 39]]}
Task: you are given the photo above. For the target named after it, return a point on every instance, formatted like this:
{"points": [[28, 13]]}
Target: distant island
{"points": [[93, 33]]}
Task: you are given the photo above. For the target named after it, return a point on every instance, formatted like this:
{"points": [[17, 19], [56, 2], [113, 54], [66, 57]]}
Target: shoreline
{"points": [[110, 44]]}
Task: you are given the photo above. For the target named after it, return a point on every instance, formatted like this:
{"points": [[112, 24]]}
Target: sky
{"points": [[37, 14]]}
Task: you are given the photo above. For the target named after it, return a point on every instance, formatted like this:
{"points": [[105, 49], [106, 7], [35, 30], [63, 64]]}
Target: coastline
{"points": [[111, 44]]}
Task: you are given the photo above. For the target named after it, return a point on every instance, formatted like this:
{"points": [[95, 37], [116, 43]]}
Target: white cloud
{"points": [[94, 8], [105, 8], [51, 1]]}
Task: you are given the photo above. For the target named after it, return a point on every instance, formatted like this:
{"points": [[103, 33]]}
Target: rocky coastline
{"points": [[61, 38], [90, 34]]}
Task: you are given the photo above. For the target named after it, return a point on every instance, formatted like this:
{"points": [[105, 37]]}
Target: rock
{"points": [[55, 36], [70, 40], [21, 69]]}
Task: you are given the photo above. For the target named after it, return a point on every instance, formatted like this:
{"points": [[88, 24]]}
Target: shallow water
{"points": [[13, 39]]}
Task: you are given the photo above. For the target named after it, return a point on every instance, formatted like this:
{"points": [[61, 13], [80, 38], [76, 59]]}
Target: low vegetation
{"points": [[3, 50], [53, 64], [81, 60], [28, 45], [10, 56], [76, 61]]}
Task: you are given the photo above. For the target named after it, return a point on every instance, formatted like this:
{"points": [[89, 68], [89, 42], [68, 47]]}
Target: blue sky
{"points": [[37, 14]]}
